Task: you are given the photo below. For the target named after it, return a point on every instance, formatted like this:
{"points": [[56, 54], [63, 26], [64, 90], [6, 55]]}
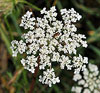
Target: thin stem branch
{"points": [[34, 77]]}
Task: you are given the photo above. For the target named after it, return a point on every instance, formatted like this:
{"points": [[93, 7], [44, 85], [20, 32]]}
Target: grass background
{"points": [[13, 78]]}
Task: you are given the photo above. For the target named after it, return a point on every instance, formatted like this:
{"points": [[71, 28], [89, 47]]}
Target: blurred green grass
{"points": [[14, 79]]}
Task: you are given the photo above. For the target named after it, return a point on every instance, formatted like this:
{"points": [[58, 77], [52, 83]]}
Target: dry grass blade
{"points": [[17, 73], [4, 82], [55, 2], [3, 58]]}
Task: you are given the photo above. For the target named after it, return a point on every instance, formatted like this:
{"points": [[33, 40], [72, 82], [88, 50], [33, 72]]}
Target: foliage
{"points": [[13, 78]]}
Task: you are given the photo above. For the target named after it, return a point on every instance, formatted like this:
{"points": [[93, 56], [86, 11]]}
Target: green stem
{"points": [[33, 6]]}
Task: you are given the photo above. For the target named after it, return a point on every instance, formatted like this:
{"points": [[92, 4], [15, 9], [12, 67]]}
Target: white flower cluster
{"points": [[52, 41], [49, 77], [27, 21], [18, 47], [89, 82], [30, 63]]}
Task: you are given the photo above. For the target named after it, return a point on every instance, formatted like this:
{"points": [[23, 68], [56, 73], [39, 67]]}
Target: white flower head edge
{"points": [[52, 41], [88, 81]]}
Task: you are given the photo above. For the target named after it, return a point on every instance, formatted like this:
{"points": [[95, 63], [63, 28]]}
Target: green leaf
{"points": [[57, 89], [88, 10], [31, 5], [59, 5], [95, 49], [90, 25], [95, 37], [5, 39], [15, 24]]}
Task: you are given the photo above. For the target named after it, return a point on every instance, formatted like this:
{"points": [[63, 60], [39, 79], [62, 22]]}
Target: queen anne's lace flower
{"points": [[89, 82], [27, 21], [18, 47], [49, 77], [79, 63], [52, 41], [30, 63]]}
